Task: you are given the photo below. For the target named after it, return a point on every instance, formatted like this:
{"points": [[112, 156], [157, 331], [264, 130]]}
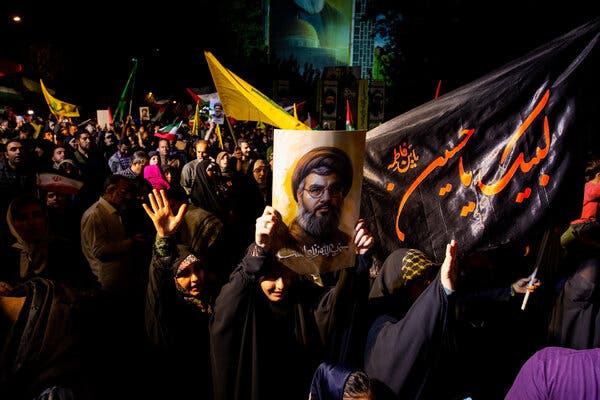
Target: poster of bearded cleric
{"points": [[317, 180]]}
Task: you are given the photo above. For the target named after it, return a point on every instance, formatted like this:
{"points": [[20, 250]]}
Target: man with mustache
{"points": [[321, 180]]}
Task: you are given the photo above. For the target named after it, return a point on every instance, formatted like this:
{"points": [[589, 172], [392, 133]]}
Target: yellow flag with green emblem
{"points": [[57, 107], [243, 102]]}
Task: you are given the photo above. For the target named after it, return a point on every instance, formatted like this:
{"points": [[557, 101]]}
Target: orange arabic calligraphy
{"points": [[404, 158], [438, 162], [525, 166]]}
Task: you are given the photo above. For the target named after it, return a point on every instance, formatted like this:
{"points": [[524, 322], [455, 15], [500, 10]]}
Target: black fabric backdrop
{"points": [[493, 161]]}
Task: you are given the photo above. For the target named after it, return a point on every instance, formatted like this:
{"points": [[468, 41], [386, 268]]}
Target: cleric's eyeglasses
{"points": [[316, 191]]}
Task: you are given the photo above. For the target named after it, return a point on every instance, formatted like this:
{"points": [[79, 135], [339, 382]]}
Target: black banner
{"points": [[491, 161]]}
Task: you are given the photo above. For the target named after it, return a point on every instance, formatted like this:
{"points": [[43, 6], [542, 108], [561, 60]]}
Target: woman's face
{"points": [[275, 284], [153, 160], [168, 175], [191, 279], [223, 163], [30, 222], [260, 172]]}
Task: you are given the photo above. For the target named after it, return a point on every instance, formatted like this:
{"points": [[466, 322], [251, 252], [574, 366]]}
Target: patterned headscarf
{"points": [[399, 268], [414, 265], [185, 260]]}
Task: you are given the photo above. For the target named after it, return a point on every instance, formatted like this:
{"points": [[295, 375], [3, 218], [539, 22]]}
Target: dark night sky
{"points": [[465, 40], [92, 48]]}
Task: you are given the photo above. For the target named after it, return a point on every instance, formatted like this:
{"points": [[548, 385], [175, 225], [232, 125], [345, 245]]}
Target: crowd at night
{"points": [[429, 234]]}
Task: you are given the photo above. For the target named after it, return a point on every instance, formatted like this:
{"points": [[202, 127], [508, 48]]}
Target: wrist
{"points": [[257, 250], [448, 291]]}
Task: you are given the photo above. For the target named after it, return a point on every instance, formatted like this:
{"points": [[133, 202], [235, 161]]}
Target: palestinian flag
{"points": [[349, 118]]}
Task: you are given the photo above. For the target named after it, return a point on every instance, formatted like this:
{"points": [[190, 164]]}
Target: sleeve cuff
{"points": [[256, 251], [448, 291], [162, 246]]}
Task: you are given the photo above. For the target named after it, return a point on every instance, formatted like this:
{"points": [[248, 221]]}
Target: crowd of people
{"points": [[143, 264]]}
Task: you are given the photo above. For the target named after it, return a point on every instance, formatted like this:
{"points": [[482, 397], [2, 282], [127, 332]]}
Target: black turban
{"points": [[331, 158]]}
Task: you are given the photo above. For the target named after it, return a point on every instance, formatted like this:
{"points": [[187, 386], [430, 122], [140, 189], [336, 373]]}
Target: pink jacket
{"points": [[154, 175]]}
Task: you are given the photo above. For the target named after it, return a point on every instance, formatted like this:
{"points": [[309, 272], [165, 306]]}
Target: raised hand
{"points": [[449, 269], [363, 239], [270, 230], [161, 215]]}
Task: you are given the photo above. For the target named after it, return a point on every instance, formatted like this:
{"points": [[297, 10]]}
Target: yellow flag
{"points": [[57, 107], [295, 112], [218, 132], [195, 128], [242, 101]]}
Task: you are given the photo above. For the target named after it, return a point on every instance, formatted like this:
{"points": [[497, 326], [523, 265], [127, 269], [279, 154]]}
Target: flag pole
{"points": [[132, 87], [219, 136], [231, 130], [538, 261], [437, 90]]}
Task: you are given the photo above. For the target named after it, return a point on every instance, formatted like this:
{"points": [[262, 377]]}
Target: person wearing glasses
{"points": [[320, 182]]}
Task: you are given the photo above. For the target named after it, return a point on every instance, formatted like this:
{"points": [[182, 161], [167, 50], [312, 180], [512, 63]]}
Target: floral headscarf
{"points": [[185, 260]]}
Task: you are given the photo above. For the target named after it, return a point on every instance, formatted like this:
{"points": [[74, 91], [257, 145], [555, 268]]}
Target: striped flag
{"points": [[168, 132], [349, 119], [311, 122]]}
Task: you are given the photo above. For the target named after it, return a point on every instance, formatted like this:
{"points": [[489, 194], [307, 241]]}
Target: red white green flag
{"points": [[349, 119]]}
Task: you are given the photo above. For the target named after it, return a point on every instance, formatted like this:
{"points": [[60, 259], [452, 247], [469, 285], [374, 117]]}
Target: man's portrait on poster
{"points": [[144, 113], [320, 182], [329, 103], [217, 116]]}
